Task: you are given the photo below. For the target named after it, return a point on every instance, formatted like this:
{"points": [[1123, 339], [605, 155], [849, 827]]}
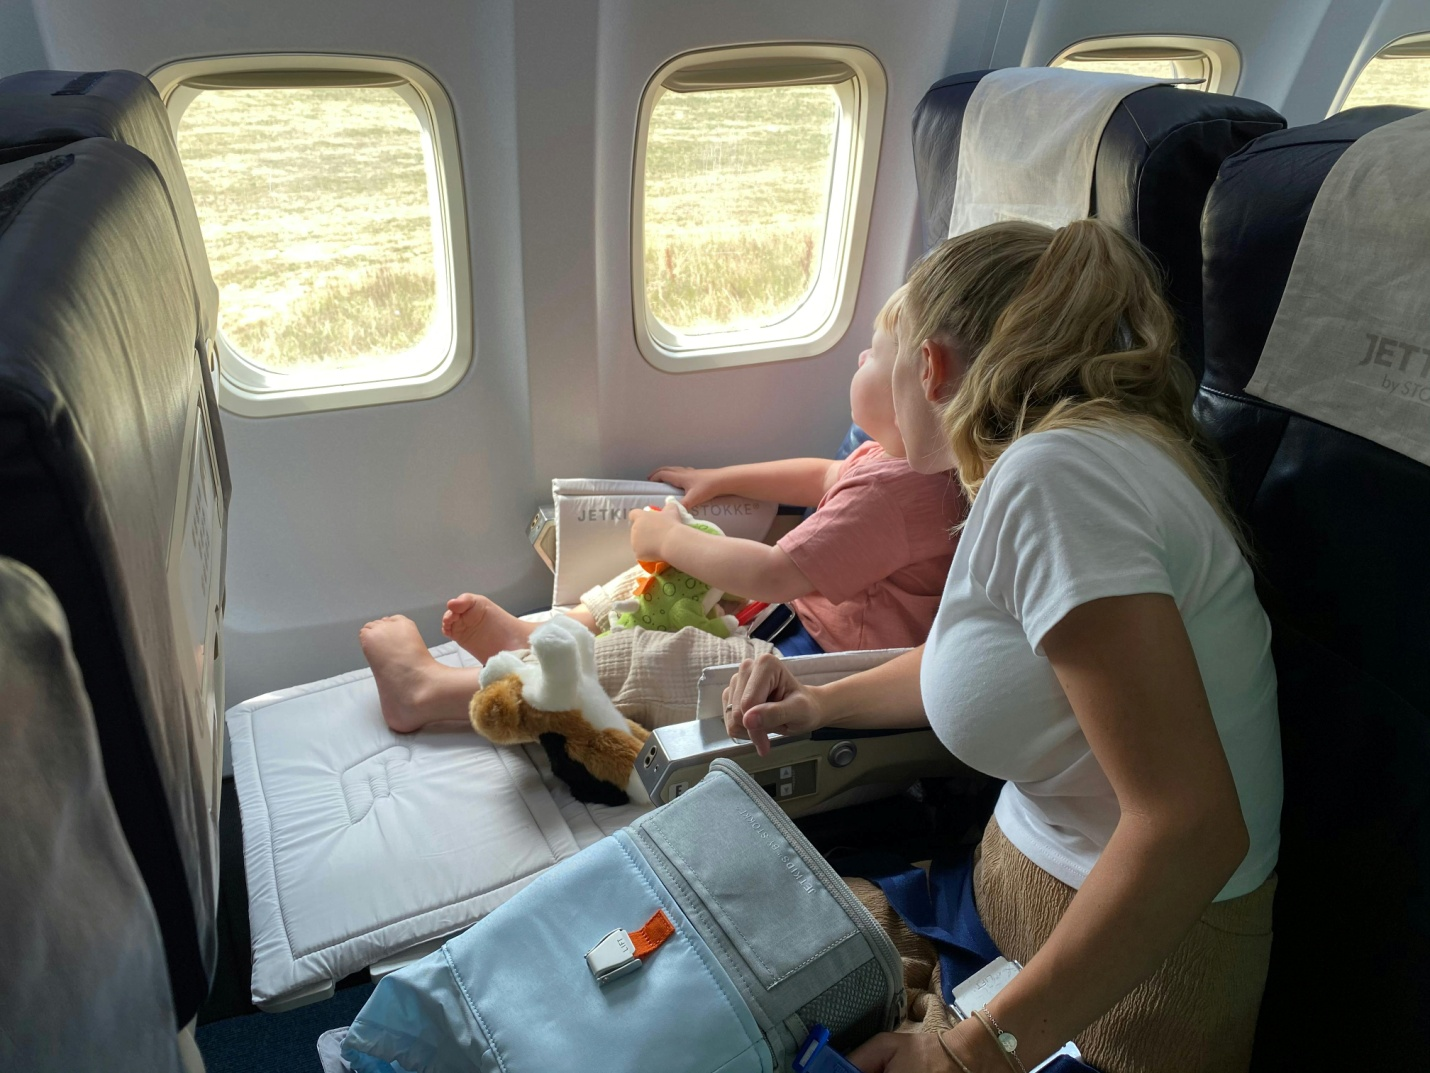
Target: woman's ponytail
{"points": [[1060, 329]]}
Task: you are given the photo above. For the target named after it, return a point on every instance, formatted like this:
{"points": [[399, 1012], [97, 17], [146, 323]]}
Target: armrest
{"points": [[818, 670], [804, 773]]}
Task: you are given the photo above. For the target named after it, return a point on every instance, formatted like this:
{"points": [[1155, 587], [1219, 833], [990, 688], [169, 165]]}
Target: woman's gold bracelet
{"points": [[1007, 1042], [959, 1062]]}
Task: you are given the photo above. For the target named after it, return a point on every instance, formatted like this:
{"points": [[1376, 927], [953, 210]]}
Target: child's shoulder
{"points": [[869, 453], [870, 461]]}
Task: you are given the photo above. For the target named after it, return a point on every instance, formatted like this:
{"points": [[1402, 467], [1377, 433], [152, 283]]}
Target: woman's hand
{"points": [[903, 1052], [764, 698], [699, 485], [649, 532]]}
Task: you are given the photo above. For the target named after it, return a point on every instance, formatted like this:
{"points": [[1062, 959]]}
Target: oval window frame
{"points": [[251, 390], [810, 329]]}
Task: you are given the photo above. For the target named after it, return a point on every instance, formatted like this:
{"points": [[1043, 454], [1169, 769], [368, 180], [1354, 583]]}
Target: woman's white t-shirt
{"points": [[1063, 518]]}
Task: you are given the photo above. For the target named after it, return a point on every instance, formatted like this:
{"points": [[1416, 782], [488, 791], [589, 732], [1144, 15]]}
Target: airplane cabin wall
{"points": [[344, 515], [1295, 54], [21, 48]]}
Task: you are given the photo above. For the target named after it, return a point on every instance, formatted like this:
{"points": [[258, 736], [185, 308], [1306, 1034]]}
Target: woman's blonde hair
{"points": [[1059, 329]]}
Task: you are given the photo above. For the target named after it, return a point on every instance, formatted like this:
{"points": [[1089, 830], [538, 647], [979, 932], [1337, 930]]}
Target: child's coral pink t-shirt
{"points": [[877, 550]]}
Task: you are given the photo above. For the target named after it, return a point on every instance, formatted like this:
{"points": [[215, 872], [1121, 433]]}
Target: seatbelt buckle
{"points": [[613, 957], [620, 953]]}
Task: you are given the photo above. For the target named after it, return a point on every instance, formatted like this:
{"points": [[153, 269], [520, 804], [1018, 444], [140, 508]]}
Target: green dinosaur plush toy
{"points": [[667, 599]]}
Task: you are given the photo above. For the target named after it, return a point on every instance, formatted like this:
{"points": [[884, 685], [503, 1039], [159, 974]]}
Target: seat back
{"points": [[1336, 521], [109, 481], [84, 985], [1155, 162]]}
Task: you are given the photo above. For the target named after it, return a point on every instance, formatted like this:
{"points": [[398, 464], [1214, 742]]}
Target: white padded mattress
{"points": [[360, 843]]}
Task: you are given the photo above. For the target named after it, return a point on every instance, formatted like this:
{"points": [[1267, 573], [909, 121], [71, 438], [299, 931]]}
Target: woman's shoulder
{"points": [[1079, 458], [1095, 475], [1074, 446]]}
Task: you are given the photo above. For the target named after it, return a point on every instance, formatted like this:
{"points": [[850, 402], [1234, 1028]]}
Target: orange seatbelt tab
{"points": [[656, 931]]}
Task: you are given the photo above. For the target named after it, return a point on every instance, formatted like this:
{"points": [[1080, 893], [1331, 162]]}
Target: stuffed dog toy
{"points": [[558, 702]]}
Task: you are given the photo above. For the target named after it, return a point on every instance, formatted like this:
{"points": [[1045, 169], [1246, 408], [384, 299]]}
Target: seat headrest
{"points": [[41, 111], [1158, 156], [1255, 214]]}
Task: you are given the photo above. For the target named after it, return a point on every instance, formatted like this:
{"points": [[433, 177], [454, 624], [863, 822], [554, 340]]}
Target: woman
{"points": [[1099, 645]]}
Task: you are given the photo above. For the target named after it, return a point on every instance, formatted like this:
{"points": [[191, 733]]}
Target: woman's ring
{"points": [[729, 707]]}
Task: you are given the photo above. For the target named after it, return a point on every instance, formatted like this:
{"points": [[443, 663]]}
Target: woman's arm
{"points": [[801, 482], [1127, 667], [753, 570], [764, 698]]}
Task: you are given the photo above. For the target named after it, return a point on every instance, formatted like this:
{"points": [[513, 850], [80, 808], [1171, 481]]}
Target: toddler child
{"points": [[865, 570]]}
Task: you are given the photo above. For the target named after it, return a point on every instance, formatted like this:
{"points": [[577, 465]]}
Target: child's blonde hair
{"points": [[1060, 329], [887, 319]]}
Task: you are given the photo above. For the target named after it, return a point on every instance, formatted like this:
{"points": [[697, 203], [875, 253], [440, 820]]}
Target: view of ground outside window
{"points": [[737, 196], [317, 223], [1392, 80], [1145, 68]]}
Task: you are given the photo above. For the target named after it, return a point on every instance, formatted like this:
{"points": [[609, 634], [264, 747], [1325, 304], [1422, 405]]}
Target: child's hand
{"points": [[649, 530], [699, 485]]}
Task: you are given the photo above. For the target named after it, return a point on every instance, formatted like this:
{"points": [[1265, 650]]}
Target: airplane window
{"points": [[1216, 63], [330, 195], [737, 192], [1399, 74], [754, 176], [1151, 68], [318, 224]]}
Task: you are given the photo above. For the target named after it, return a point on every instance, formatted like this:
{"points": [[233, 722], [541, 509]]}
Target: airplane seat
{"points": [[85, 985], [1157, 157], [41, 111], [1337, 522], [109, 477]]}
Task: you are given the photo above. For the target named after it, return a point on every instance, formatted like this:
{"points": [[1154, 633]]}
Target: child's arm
{"points": [[753, 570], [800, 482]]}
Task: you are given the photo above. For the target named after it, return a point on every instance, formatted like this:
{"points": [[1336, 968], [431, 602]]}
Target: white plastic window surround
{"points": [[1214, 59], [1399, 73], [247, 389], [824, 315]]}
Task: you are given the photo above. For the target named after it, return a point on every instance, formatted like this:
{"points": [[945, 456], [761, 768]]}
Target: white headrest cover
{"points": [[1029, 145], [1350, 345]]}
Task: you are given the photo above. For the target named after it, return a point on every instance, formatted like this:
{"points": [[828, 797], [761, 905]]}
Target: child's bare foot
{"points": [[483, 628], [413, 688]]}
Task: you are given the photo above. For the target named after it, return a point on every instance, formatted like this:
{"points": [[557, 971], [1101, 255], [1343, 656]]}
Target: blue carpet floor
{"points": [[277, 1042]]}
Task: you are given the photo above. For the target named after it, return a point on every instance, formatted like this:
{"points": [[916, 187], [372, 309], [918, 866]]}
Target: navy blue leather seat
{"points": [[108, 491], [1339, 524]]}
